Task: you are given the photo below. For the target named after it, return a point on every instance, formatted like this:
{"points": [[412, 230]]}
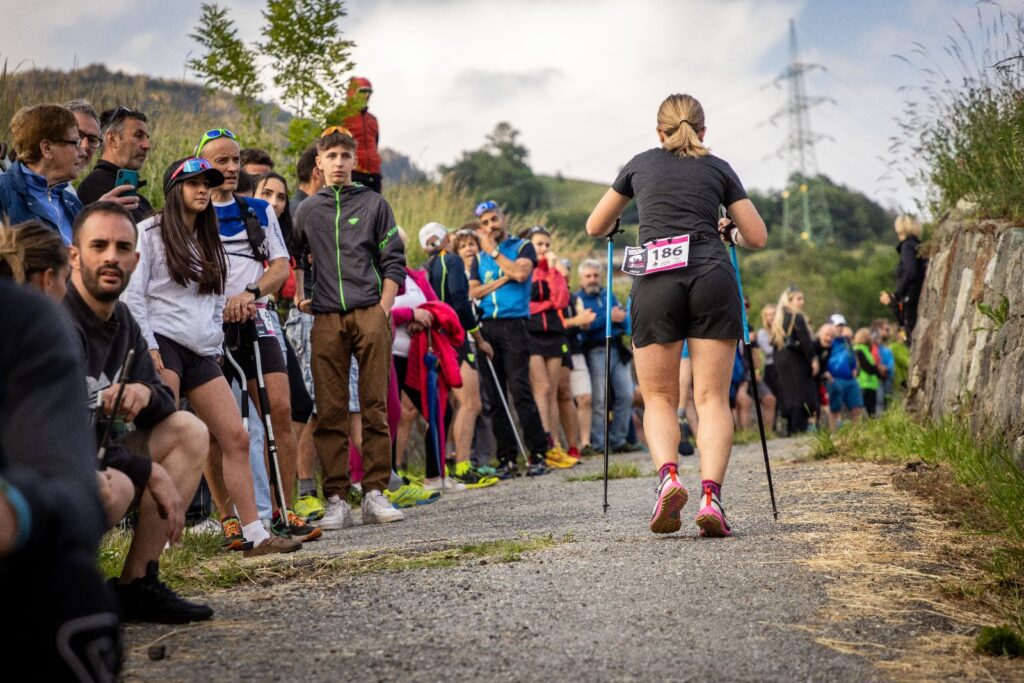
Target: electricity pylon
{"points": [[804, 207]]}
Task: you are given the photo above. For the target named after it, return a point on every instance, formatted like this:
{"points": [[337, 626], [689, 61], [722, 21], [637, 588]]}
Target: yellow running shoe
{"points": [[309, 508], [559, 459]]}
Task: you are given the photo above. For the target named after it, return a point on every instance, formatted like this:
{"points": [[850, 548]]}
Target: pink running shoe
{"points": [[671, 499], [711, 518]]}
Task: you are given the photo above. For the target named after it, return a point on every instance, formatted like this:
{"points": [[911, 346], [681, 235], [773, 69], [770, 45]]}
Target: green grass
{"points": [[616, 470], [999, 641], [742, 437], [199, 565]]}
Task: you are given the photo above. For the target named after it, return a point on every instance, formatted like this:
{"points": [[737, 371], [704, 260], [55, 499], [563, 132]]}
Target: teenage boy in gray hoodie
{"points": [[359, 264]]}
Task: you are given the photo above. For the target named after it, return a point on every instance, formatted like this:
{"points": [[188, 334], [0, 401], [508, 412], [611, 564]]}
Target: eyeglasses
{"points": [[335, 129], [61, 141], [192, 165], [484, 207], [213, 134], [91, 140]]}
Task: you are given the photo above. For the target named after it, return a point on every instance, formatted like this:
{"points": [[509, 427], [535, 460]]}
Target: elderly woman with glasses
{"points": [[49, 156]]}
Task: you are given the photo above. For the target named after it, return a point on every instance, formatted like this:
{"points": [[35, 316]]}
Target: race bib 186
{"points": [[667, 254]]}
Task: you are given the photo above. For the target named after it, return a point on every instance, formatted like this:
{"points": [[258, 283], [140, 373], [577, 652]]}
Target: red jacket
{"points": [[549, 294], [446, 335], [366, 131]]}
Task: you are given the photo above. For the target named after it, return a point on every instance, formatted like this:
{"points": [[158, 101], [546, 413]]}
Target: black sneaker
{"points": [[149, 599], [627, 448], [537, 466], [685, 447], [507, 470]]}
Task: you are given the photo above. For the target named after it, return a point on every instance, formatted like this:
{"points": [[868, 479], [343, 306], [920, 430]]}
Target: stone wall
{"points": [[960, 362]]}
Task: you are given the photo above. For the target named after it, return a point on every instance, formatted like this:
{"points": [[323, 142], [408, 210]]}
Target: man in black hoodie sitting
{"points": [[102, 259]]}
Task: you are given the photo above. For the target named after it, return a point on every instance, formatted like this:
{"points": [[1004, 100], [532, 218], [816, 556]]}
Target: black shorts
{"points": [[548, 344], [466, 353], [271, 359], [700, 301], [193, 369]]}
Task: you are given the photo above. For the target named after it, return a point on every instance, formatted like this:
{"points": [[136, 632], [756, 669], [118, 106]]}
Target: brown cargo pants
{"points": [[366, 334]]}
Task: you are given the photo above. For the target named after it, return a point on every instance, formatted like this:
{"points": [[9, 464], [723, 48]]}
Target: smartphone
{"points": [[126, 176]]}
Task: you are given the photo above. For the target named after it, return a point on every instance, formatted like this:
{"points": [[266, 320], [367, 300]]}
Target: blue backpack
{"points": [[841, 361]]}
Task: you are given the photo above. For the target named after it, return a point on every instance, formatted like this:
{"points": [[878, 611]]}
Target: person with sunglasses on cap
{"points": [[359, 261], [500, 279], [177, 296], [258, 265], [125, 145]]}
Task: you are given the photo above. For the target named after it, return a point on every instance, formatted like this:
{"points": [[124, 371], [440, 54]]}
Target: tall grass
{"points": [[963, 127]]}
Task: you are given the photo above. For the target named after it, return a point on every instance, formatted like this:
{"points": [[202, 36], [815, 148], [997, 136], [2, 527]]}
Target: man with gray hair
{"points": [[592, 296], [89, 135], [125, 142]]}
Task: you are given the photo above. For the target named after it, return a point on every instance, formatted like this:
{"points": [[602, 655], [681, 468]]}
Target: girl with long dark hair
{"points": [[177, 296]]}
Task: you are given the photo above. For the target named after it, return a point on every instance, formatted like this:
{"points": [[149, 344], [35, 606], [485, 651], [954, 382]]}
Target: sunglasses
{"points": [[335, 129], [484, 207], [192, 165], [213, 134]]}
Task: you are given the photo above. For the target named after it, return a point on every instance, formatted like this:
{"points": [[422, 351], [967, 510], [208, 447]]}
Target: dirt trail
{"points": [[843, 587]]}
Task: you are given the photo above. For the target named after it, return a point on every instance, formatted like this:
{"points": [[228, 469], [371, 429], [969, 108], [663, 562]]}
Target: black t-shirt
{"points": [[680, 196]]}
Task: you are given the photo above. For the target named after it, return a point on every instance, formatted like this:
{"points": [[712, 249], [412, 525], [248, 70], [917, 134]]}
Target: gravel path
{"points": [[613, 602]]}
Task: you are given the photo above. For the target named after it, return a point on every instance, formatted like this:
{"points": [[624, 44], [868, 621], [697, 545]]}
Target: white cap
{"points": [[431, 230], [837, 319]]}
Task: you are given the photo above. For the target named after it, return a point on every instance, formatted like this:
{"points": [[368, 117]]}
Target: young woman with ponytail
{"points": [[684, 288], [34, 254]]}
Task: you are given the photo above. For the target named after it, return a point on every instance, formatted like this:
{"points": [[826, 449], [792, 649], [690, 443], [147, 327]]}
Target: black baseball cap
{"points": [[191, 167]]}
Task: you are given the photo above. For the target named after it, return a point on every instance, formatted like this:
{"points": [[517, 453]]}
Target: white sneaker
{"points": [[378, 510], [338, 515], [207, 526], [449, 485]]}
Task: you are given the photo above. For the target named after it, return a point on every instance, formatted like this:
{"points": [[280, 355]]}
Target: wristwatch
{"points": [[495, 253], [254, 289]]}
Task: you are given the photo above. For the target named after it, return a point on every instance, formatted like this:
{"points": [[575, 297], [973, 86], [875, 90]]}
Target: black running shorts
{"points": [[193, 369], [700, 301], [466, 354], [271, 360], [548, 344]]}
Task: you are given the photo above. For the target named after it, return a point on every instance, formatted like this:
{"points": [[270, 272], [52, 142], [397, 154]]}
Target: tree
{"points": [[306, 57], [228, 64], [499, 171]]}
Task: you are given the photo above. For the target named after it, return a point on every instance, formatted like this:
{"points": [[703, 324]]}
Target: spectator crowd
{"points": [[252, 358]]}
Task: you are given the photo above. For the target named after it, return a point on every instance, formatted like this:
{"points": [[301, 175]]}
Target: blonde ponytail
{"points": [[681, 119], [29, 248]]}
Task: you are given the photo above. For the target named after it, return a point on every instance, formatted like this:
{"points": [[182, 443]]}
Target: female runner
{"points": [[685, 288]]}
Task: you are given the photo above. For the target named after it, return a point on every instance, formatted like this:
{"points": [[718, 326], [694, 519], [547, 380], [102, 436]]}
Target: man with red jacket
{"points": [[366, 132]]}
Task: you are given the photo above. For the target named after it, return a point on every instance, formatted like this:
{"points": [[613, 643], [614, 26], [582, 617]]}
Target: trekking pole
{"points": [[122, 378], [753, 379], [264, 406], [244, 403], [508, 413], [608, 356]]}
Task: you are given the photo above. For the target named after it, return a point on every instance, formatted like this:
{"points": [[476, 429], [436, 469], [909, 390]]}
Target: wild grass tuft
{"points": [[616, 470], [999, 641], [963, 129]]}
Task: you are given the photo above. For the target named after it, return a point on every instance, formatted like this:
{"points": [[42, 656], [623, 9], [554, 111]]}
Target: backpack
{"points": [[254, 231], [841, 361]]}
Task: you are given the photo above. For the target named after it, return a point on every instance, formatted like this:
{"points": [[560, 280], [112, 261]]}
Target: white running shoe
{"points": [[378, 510], [446, 485], [207, 526], [338, 515]]}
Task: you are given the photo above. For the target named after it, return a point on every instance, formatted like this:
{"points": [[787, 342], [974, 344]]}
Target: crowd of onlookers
{"points": [[256, 357]]}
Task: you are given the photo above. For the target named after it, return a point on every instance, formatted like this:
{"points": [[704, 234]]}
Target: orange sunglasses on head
{"points": [[336, 129]]}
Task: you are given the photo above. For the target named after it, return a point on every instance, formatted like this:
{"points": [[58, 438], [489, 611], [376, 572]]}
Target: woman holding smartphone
{"points": [[684, 289]]}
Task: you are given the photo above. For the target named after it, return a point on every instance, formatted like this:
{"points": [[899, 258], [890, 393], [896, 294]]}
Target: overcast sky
{"points": [[581, 79]]}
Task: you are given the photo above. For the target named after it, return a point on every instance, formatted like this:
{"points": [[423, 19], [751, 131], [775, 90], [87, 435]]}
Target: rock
{"points": [[157, 652], [963, 362]]}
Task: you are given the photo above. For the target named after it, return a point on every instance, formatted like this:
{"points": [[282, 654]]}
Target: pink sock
{"points": [[715, 487]]}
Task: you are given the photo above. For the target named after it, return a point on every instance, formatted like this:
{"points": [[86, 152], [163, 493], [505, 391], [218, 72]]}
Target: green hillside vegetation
{"points": [[178, 111]]}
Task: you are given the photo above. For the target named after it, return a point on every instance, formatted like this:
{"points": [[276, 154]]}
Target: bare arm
{"points": [[752, 232], [274, 276], [602, 218], [519, 270]]}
